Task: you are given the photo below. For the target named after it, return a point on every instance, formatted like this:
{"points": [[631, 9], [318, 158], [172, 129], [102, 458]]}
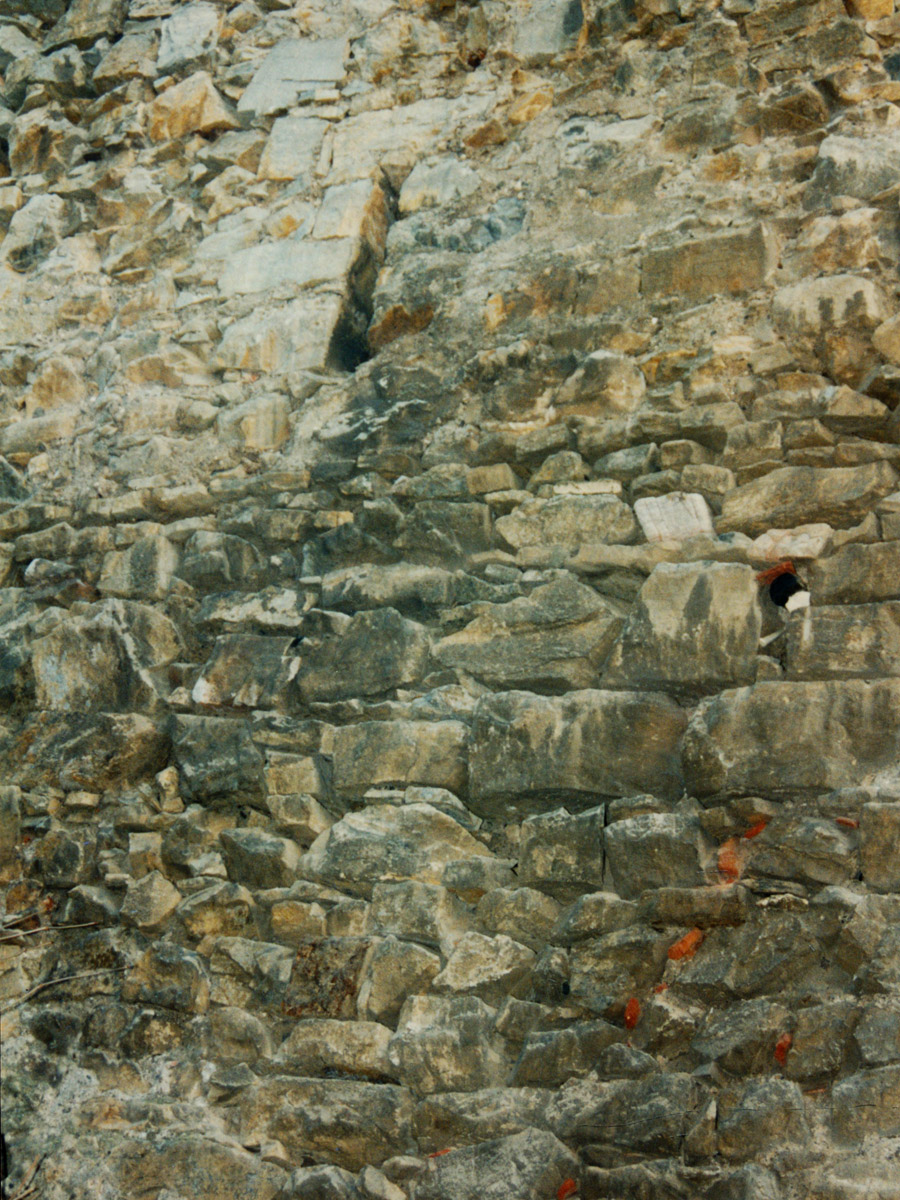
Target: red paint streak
{"points": [[729, 862], [782, 1046], [847, 822], [755, 830], [632, 1013], [661, 987], [567, 1188], [687, 946], [772, 573], [440, 1153]]}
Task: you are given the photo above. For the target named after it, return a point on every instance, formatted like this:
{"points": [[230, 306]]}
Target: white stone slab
{"points": [[806, 541], [291, 67], [674, 518], [302, 263]]}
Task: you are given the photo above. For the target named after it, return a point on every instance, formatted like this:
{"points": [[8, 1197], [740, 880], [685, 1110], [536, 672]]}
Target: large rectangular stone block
{"points": [[531, 752], [724, 262], [787, 739]]}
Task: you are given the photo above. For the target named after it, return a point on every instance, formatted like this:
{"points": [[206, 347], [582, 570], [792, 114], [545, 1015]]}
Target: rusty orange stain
{"points": [[687, 946], [782, 1046], [755, 830], [632, 1013], [567, 1188]]}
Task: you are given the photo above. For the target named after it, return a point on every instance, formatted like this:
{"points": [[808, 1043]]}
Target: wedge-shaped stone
{"points": [[488, 967], [607, 972], [246, 670], [562, 853], [345, 1122], [373, 753], [446, 1044], [386, 843], [421, 912], [694, 629], [838, 496], [293, 66], [534, 752], [845, 641], [552, 640], [786, 739], [396, 969], [568, 521], [528, 1165]]}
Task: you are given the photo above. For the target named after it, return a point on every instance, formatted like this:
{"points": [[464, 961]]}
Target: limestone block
{"points": [[877, 1034], [420, 912], [879, 845], [592, 916], [193, 106], [554, 638], [406, 586], [259, 859], [383, 843], [487, 967], [33, 232], [607, 382], [562, 853], [132, 57], [860, 640], [734, 262], [83, 751], [378, 651], [10, 831], [396, 969], [817, 305], [806, 541], [674, 518], [149, 903], [292, 149], [851, 166], [694, 629], [445, 1044], [520, 912], [189, 34], [638, 1114], [168, 976], [345, 1122], [767, 1113], [352, 210], [605, 972], [216, 758], [320, 1046], [788, 739], [435, 182], [297, 336], [806, 849], [790, 496], [654, 850], [292, 67], [568, 521], [858, 574], [551, 1058], [197, 1163], [468, 1118], [299, 263], [297, 814], [529, 1165], [535, 752], [374, 753], [145, 571], [220, 909], [104, 658], [63, 860], [86, 21]]}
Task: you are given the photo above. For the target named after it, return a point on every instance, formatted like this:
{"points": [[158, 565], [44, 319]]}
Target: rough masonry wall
{"points": [[398, 400]]}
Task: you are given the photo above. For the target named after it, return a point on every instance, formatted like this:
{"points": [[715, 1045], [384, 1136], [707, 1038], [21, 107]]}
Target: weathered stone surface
{"points": [[728, 262], [373, 753], [862, 640], [649, 1115], [554, 639], [487, 967], [785, 739], [422, 912], [562, 853], [791, 496], [586, 744], [523, 913], [445, 1044], [568, 521], [258, 858], [654, 850], [695, 628], [533, 1164], [608, 971], [316, 1047], [767, 1112], [395, 970], [168, 976], [858, 574], [378, 651], [216, 759], [879, 845], [193, 106], [290, 68], [383, 842], [150, 902]]}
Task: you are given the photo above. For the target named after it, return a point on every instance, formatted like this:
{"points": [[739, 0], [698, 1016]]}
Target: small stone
{"points": [[150, 902]]}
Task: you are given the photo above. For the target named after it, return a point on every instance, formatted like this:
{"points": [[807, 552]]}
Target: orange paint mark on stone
{"points": [[440, 1153], [847, 822], [755, 830], [632, 1013], [782, 1046], [661, 987], [687, 946], [567, 1188], [729, 862]]}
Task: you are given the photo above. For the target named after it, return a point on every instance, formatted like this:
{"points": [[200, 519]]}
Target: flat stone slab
{"points": [[292, 67]]}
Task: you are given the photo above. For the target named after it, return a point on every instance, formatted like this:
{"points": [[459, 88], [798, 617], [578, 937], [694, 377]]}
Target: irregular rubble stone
{"points": [[568, 521], [376, 652], [534, 1163], [562, 853], [293, 66], [654, 850], [445, 1044], [843, 642], [488, 967], [374, 753], [791, 496]]}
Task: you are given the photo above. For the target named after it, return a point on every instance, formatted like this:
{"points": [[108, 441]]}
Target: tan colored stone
{"points": [[193, 106]]}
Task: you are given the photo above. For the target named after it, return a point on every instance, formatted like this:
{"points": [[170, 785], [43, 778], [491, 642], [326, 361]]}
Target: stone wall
{"points": [[401, 798]]}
